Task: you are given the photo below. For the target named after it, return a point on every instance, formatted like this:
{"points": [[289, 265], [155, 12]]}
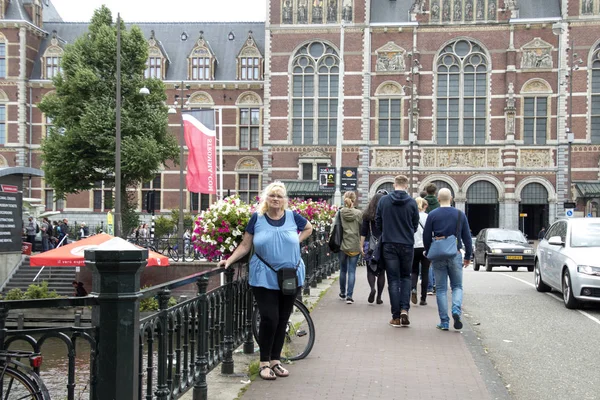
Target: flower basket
{"points": [[319, 213]]}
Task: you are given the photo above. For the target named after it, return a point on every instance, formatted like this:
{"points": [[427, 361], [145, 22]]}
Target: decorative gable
{"points": [[536, 54], [390, 58], [249, 61], [52, 58], [157, 60], [202, 61]]}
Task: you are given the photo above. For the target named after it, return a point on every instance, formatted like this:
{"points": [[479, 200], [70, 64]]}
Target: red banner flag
{"points": [[200, 138]]}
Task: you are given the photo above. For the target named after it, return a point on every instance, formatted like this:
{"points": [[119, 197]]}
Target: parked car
{"points": [[497, 247], [567, 260]]}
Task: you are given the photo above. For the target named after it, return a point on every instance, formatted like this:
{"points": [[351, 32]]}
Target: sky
{"points": [[166, 11]]}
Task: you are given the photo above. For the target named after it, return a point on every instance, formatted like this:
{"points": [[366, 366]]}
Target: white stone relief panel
{"points": [[530, 158], [459, 158], [389, 158]]}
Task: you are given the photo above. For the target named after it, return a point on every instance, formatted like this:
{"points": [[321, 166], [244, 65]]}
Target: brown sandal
{"points": [[271, 377], [280, 371]]}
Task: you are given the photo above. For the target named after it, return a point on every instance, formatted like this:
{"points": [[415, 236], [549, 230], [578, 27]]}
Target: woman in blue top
{"points": [[273, 230]]}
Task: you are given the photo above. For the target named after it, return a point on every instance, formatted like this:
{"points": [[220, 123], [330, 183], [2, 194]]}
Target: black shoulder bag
{"points": [[287, 278]]}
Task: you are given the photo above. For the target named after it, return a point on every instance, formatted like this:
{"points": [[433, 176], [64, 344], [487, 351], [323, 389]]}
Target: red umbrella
{"points": [[71, 255]]}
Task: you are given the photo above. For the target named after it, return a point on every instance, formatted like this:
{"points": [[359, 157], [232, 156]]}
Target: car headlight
{"points": [[527, 251], [496, 251], [588, 270]]}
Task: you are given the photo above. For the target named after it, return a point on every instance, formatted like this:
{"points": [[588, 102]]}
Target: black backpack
{"points": [[37, 228], [49, 230]]}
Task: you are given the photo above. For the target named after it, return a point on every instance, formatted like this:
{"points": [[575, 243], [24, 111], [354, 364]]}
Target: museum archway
{"points": [[534, 203], [482, 206]]}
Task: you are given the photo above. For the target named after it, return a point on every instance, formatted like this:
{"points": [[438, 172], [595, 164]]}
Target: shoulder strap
{"points": [[269, 265], [458, 226]]}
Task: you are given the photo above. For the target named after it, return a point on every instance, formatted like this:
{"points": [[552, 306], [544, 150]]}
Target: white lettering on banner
{"points": [[8, 205]]}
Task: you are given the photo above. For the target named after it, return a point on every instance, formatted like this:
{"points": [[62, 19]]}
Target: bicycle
{"points": [[299, 333], [19, 381], [171, 252]]}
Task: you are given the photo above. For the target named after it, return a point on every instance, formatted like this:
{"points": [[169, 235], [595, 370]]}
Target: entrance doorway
{"points": [[482, 206], [442, 185], [534, 203]]}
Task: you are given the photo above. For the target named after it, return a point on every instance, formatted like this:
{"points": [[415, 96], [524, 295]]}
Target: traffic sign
{"points": [[522, 215], [589, 215], [569, 212]]}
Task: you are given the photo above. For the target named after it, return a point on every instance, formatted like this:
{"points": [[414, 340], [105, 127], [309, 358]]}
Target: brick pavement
{"points": [[358, 355]]}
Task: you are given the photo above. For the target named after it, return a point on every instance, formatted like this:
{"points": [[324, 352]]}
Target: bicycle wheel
{"points": [[17, 385], [299, 335], [173, 254]]}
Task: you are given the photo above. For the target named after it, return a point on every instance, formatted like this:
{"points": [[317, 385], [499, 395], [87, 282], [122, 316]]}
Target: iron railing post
{"points": [[200, 386], [162, 390], [116, 281], [249, 339], [227, 365]]}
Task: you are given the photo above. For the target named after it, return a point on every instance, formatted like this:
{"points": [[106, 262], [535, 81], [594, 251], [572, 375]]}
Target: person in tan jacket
{"points": [[350, 250]]}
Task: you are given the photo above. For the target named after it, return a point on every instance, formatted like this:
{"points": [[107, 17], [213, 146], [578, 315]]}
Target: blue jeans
{"points": [[398, 266], [347, 266], [431, 282], [451, 268]]}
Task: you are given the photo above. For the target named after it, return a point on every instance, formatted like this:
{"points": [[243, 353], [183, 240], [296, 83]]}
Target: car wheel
{"points": [[488, 267], [540, 286], [568, 298], [515, 268], [530, 268]]}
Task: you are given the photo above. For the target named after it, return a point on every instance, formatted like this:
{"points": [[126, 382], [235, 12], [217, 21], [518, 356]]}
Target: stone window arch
{"points": [[315, 69], [248, 177], [52, 58], [249, 120], [462, 69], [389, 105], [310, 162], [536, 96], [202, 61], [461, 11], [201, 100], [250, 62], [156, 63]]}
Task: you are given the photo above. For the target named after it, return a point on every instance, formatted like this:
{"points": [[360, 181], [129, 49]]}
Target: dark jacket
{"points": [[433, 203], [369, 228], [442, 222], [80, 290], [398, 218]]}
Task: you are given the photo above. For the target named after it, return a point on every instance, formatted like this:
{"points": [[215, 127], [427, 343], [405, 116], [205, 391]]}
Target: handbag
{"points": [[443, 249], [375, 253], [287, 278], [337, 234]]}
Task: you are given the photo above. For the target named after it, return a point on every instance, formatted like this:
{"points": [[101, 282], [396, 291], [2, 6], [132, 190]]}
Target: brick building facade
{"points": [[479, 90]]}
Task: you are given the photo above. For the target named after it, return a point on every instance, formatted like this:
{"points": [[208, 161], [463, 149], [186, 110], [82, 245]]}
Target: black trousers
{"points": [[425, 263], [274, 309]]}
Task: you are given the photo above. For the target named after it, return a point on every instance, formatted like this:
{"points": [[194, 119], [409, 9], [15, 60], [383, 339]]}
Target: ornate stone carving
{"points": [[587, 6], [201, 98], [435, 11], [248, 98], [480, 10], [250, 49], [446, 11], [315, 154], [248, 164], [332, 11], [536, 86], [536, 54], [390, 58], [493, 158], [492, 10], [457, 10], [390, 89], [302, 12], [529, 158], [510, 100], [469, 10], [418, 7], [347, 11], [287, 12], [458, 158], [3, 162], [389, 158], [317, 12]]}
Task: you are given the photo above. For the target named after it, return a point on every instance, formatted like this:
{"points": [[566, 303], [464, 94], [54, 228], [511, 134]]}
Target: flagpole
{"points": [[220, 152]]}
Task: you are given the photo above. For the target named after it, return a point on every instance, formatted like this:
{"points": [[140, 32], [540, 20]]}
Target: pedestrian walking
{"points": [[419, 258], [30, 231], [273, 231], [432, 201], [45, 234], [368, 233], [350, 249], [442, 223], [397, 217], [55, 234], [64, 232], [83, 231], [542, 233]]}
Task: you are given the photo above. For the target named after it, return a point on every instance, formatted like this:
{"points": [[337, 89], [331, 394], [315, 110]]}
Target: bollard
{"points": [[116, 282]]}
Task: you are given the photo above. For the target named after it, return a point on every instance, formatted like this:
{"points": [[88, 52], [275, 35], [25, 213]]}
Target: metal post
{"points": [[200, 387], [410, 126], [337, 197], [249, 339], [116, 280], [227, 365], [221, 153], [181, 183], [570, 133], [162, 390], [118, 226]]}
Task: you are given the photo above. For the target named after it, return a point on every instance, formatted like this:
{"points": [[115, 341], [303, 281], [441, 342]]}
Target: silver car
{"points": [[568, 260]]}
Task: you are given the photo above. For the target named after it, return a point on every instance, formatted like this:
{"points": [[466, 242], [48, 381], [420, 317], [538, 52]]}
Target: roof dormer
{"points": [[52, 58], [202, 61], [249, 61], [156, 65]]}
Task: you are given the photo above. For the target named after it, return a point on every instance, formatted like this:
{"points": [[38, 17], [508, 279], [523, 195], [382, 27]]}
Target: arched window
{"points": [[315, 70], [3, 47], [595, 103], [52, 58], [155, 65], [389, 113], [202, 61], [249, 104], [250, 61], [536, 114], [462, 81]]}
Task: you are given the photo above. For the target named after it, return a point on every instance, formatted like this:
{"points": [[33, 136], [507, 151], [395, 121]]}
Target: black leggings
{"points": [[371, 277], [420, 258], [275, 310]]}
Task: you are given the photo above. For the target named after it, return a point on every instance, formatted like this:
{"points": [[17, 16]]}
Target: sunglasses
{"points": [[382, 191]]}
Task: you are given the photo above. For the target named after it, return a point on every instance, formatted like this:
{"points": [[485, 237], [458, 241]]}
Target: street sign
{"points": [[326, 179], [11, 223], [570, 204], [349, 179], [589, 215], [522, 215], [569, 213]]}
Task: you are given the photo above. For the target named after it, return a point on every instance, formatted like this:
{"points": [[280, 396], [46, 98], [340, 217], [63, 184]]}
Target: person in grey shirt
{"points": [[30, 232]]}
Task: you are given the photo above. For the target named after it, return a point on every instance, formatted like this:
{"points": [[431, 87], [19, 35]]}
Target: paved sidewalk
{"points": [[358, 355]]}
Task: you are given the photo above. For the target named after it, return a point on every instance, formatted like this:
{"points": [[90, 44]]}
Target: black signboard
{"points": [[349, 179], [11, 225], [327, 179]]}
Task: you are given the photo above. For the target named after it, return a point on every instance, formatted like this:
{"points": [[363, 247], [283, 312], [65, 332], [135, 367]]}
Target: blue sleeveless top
{"points": [[277, 245]]}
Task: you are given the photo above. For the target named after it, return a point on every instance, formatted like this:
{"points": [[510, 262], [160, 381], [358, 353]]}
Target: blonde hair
{"points": [[276, 186], [421, 203], [349, 199]]}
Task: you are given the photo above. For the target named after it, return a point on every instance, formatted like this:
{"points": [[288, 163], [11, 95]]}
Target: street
{"points": [[541, 349]]}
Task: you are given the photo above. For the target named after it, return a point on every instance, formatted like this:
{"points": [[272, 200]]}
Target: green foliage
{"points": [[40, 292], [188, 219], [129, 217], [83, 110], [151, 304], [163, 226], [14, 294]]}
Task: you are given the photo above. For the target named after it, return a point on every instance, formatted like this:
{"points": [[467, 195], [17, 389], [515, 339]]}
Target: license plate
{"points": [[514, 257]]}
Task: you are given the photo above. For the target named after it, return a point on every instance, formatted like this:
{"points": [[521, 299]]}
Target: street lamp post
{"points": [[179, 98], [412, 128]]}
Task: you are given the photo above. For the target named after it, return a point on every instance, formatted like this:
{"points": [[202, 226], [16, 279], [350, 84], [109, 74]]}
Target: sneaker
{"points": [[430, 292], [379, 301], [342, 297], [422, 303], [442, 327], [413, 297], [395, 322], [371, 298], [457, 322], [404, 319], [349, 300]]}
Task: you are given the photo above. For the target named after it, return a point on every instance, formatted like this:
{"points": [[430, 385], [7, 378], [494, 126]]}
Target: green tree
{"points": [[80, 149]]}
